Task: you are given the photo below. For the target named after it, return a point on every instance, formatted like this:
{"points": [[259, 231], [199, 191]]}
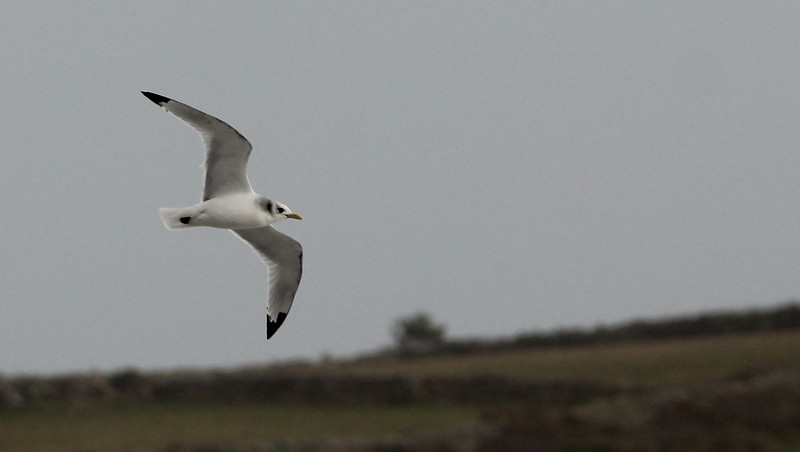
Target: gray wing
{"points": [[226, 149], [284, 258]]}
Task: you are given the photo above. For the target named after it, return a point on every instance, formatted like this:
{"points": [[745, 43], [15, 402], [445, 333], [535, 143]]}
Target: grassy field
{"points": [[148, 425], [153, 426], [672, 362]]}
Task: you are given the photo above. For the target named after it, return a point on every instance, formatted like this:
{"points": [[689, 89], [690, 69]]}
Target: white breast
{"points": [[235, 211]]}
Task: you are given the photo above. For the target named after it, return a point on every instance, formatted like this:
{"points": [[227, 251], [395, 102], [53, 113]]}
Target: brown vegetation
{"points": [[755, 414], [722, 391]]}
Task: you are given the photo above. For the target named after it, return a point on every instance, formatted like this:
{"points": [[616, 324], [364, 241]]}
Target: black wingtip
{"points": [[272, 326], [157, 98]]}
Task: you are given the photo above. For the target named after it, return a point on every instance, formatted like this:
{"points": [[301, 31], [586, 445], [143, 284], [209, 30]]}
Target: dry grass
{"points": [[148, 425], [670, 362]]}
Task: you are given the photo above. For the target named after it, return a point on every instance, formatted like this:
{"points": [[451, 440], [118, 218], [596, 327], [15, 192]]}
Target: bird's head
{"points": [[278, 210]]}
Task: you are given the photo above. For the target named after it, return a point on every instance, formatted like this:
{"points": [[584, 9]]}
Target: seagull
{"points": [[229, 202]]}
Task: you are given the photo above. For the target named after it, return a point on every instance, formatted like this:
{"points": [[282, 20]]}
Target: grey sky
{"points": [[504, 166]]}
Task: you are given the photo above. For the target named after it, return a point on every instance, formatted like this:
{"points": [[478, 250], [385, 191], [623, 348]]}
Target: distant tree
{"points": [[417, 334]]}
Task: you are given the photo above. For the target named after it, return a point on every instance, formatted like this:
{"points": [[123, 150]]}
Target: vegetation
{"points": [[781, 318], [215, 426], [648, 363], [417, 334], [620, 388]]}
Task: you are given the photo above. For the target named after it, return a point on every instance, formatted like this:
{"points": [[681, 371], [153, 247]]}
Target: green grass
{"points": [[150, 425]]}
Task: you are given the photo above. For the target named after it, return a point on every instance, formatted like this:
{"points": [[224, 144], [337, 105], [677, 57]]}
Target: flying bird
{"points": [[229, 202]]}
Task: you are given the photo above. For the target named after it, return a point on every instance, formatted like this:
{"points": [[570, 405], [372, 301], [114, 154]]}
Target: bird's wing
{"points": [[284, 258], [226, 149]]}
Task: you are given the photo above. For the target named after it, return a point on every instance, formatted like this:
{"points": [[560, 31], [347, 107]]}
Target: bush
{"points": [[418, 334]]}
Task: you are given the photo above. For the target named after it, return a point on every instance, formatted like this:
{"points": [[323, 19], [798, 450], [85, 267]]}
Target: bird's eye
{"points": [[281, 209]]}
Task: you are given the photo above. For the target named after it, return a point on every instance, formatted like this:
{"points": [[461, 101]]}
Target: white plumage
{"points": [[229, 202]]}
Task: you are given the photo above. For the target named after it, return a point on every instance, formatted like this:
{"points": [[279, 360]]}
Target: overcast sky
{"points": [[503, 166]]}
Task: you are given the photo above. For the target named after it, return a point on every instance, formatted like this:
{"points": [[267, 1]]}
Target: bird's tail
{"points": [[175, 218]]}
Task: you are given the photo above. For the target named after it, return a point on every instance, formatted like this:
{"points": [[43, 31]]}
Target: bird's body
{"points": [[229, 202], [234, 211]]}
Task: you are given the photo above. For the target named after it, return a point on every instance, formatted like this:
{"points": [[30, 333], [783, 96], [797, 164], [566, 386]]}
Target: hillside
{"points": [[720, 391]]}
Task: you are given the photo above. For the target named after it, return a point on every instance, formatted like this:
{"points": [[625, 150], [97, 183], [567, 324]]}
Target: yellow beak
{"points": [[294, 216]]}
